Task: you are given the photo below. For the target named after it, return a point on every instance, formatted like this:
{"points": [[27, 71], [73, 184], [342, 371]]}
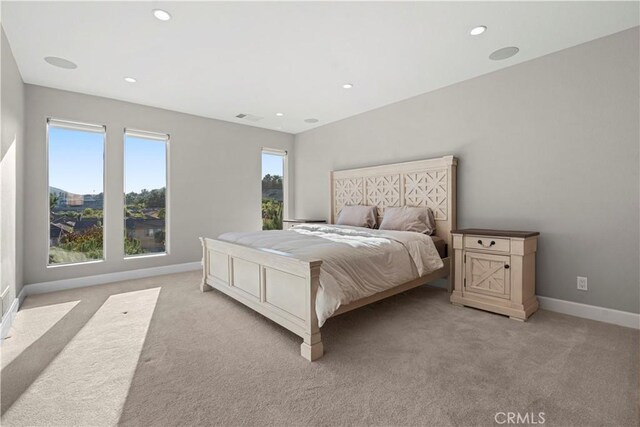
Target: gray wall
{"points": [[11, 175], [549, 145], [215, 170]]}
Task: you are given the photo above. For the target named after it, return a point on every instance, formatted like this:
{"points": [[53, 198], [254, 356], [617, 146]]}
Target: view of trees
{"points": [[132, 246], [53, 201], [88, 242], [146, 199], [144, 214], [77, 232], [272, 204]]}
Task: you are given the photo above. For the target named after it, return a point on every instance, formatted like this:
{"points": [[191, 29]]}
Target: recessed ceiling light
{"points": [[279, 114], [60, 62], [130, 80], [162, 15], [311, 120], [478, 30], [504, 53], [347, 86]]}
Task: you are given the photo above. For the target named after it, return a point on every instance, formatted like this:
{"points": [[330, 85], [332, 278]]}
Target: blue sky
{"points": [[271, 164], [76, 161], [145, 164]]}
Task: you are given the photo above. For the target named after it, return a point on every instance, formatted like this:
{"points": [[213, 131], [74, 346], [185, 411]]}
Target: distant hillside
{"points": [[272, 193], [55, 190], [272, 187]]}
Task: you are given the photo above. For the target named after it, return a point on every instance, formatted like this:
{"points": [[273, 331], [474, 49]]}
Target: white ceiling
{"points": [[220, 59]]}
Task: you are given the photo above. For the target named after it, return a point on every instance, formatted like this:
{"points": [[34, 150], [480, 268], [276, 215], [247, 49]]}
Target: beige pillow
{"points": [[358, 216], [409, 218]]}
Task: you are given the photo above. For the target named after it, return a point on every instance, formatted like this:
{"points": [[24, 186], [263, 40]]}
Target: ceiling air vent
{"points": [[249, 117]]}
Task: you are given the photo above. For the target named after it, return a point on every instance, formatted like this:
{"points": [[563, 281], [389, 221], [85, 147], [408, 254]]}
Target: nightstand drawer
{"points": [[486, 243]]}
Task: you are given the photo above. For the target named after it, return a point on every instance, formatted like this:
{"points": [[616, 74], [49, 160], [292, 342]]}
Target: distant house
{"points": [[67, 219], [147, 231], [56, 231], [74, 199], [62, 225]]}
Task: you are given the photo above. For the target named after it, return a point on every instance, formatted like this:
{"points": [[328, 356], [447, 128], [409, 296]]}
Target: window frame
{"points": [[285, 178], [160, 137], [85, 127]]}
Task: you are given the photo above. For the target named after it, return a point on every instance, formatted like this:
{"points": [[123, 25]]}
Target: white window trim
{"points": [[85, 127], [146, 134], [68, 124], [285, 180], [161, 137]]}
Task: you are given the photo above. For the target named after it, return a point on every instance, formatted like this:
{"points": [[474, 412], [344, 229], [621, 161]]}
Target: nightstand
{"points": [[495, 270], [288, 223]]}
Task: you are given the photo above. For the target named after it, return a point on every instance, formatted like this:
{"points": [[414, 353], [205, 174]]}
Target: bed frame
{"points": [[283, 288]]}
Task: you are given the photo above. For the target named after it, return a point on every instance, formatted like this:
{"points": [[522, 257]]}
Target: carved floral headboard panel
{"points": [[430, 183]]}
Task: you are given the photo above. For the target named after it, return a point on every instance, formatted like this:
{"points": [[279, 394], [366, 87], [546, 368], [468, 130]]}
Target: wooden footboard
{"points": [[275, 284]]}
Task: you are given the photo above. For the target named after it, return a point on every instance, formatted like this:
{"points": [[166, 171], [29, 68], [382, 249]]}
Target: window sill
{"points": [[143, 256], [73, 264]]}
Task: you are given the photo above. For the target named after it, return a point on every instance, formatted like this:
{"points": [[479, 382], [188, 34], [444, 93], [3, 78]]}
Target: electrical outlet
{"points": [[582, 283]]}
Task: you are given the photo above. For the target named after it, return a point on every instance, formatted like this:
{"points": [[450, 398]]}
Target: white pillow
{"points": [[358, 216], [407, 218]]}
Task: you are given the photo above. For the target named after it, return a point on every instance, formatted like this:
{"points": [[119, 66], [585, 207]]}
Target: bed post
{"points": [[311, 347], [203, 284], [453, 217]]}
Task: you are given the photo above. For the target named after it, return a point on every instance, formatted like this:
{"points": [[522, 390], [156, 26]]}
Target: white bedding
{"points": [[356, 262]]}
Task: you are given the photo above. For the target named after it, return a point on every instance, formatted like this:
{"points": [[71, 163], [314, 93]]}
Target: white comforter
{"points": [[356, 262]]}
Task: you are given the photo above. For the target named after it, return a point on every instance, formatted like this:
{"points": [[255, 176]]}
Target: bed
{"points": [[281, 274]]}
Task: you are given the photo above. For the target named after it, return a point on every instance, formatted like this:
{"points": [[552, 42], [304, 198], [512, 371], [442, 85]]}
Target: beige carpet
{"points": [[410, 360]]}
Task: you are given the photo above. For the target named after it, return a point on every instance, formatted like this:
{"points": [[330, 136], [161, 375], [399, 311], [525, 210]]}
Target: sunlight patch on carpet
{"points": [[88, 382], [29, 325]]}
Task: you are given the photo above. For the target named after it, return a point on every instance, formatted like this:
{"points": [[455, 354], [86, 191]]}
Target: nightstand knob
{"points": [[490, 243], [506, 266]]}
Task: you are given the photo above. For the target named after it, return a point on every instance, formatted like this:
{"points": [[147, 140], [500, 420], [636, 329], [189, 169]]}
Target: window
{"points": [[274, 188], [76, 192], [145, 193]]}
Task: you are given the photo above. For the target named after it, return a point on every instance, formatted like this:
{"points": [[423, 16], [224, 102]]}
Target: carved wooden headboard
{"points": [[430, 182]]}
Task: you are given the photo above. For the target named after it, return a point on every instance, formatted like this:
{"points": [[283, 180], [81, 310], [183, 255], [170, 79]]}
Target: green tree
{"points": [[270, 182], [146, 199], [271, 214], [53, 201], [156, 198], [132, 246], [92, 213], [89, 242]]}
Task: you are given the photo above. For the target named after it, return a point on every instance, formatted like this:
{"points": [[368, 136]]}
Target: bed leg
{"points": [[311, 348]]}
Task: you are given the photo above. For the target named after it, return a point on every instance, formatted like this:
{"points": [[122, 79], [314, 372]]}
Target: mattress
{"points": [[356, 262]]}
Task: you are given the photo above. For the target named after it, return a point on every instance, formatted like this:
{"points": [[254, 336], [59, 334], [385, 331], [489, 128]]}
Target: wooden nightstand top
{"points": [[497, 233]]}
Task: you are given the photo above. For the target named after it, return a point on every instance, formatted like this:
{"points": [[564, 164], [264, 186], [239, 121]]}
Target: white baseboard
{"points": [[79, 282], [7, 319], [100, 279], [607, 315], [21, 296]]}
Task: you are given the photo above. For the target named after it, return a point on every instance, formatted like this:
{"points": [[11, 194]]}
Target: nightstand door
{"points": [[487, 274]]}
